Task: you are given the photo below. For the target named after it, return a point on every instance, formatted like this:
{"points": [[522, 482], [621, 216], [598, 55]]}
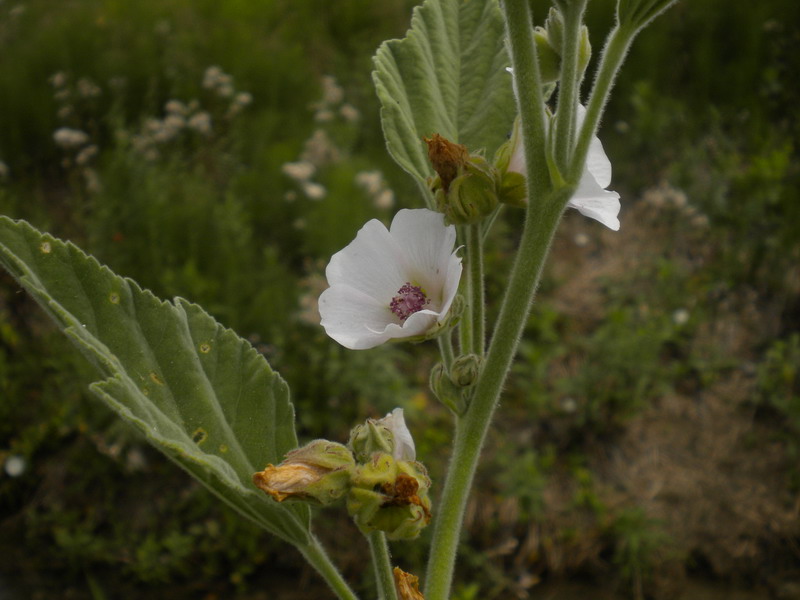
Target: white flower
{"points": [[300, 171], [591, 198], [394, 283], [314, 191], [70, 138], [403, 442]]}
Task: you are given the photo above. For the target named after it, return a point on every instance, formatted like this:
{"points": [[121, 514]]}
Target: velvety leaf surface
{"points": [[199, 393], [447, 76]]}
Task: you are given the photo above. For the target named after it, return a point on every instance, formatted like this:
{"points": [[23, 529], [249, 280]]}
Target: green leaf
{"points": [[199, 393], [447, 76]]}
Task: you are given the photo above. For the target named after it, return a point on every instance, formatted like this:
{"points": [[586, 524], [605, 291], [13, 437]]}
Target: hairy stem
{"points": [[614, 51], [315, 554], [569, 83], [383, 565], [476, 288]]}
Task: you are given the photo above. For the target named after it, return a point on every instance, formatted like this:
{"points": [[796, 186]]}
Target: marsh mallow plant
{"points": [[476, 147]]}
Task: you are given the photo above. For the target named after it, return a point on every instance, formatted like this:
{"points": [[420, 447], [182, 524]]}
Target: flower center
{"points": [[409, 299]]}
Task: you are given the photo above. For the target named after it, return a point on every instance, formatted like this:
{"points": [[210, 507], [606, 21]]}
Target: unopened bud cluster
{"points": [[384, 487], [454, 388]]}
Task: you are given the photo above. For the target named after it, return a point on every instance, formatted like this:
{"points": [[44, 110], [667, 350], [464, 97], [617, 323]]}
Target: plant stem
{"points": [[476, 288], [472, 428], [383, 565], [614, 51], [569, 83], [540, 223], [315, 554], [446, 349]]}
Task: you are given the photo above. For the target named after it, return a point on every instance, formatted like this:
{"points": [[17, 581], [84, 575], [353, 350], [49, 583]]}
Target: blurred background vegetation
{"points": [[222, 151]]}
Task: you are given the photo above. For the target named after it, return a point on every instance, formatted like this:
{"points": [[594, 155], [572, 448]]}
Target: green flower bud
{"points": [[390, 496], [554, 28], [549, 57], [465, 370], [512, 189], [584, 50], [465, 188], [388, 435], [317, 473], [369, 438], [445, 390], [472, 195]]}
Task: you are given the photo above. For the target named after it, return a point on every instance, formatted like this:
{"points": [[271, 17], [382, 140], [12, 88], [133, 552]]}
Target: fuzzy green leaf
{"points": [[198, 392], [447, 76]]}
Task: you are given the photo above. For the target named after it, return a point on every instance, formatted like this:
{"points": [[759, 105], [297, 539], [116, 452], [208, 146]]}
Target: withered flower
{"points": [[318, 473]]}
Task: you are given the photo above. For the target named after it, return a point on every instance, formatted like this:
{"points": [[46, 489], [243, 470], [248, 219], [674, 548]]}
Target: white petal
{"points": [[427, 244], [596, 159], [354, 319], [597, 163], [595, 202], [403, 442], [371, 263], [450, 288]]}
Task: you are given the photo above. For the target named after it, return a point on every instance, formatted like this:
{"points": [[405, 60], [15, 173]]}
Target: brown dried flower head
{"points": [[446, 157]]}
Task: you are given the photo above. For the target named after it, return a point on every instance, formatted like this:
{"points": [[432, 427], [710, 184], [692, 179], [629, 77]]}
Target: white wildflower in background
{"points": [[332, 93], [591, 197], [88, 88], [299, 171], [370, 181], [581, 240], [3, 170], [403, 442], [85, 155], [320, 150], [395, 283], [93, 183], [176, 107], [200, 122], [373, 184], [324, 116], [70, 138], [15, 465], [212, 77], [384, 200], [680, 317], [349, 113], [58, 79], [314, 191]]}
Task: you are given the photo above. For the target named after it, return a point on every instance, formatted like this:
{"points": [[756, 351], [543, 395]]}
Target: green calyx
{"points": [[471, 195], [390, 496]]}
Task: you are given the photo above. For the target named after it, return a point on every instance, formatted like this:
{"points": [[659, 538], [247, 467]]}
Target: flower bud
{"points": [[390, 496], [549, 57], [318, 473], [465, 370], [472, 194], [465, 188], [388, 435], [554, 28], [512, 189], [445, 390]]}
